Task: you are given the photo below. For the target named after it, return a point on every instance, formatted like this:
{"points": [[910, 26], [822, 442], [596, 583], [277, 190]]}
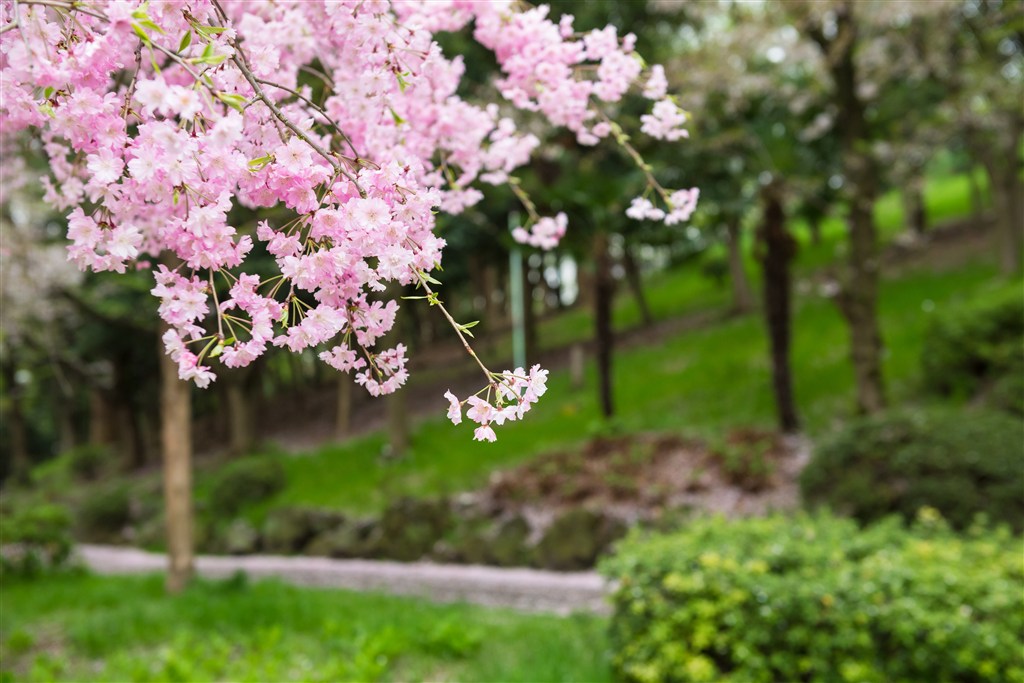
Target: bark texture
{"points": [[776, 249], [604, 289], [176, 447], [742, 296]]}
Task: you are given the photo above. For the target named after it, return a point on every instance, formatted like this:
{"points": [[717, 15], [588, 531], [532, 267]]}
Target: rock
{"points": [[466, 541], [576, 538], [240, 538], [508, 543], [409, 528], [289, 530], [347, 540]]}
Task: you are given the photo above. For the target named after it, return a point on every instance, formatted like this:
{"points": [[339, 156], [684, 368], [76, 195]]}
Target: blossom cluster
{"points": [[160, 119], [681, 205], [513, 393]]}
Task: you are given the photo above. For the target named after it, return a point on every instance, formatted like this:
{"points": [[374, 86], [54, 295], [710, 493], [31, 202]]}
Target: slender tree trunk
{"points": [[742, 297], [240, 439], [914, 216], [176, 445], [604, 287], [17, 429], [859, 298], [636, 285], [101, 418], [343, 418], [778, 248], [977, 194], [1008, 202], [529, 313], [814, 225]]}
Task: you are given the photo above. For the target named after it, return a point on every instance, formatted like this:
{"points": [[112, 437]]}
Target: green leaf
{"points": [[207, 31], [233, 100], [258, 163], [394, 115], [186, 40], [402, 83]]}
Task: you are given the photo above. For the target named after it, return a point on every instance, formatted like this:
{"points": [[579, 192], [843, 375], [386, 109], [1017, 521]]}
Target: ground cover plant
{"points": [[88, 628]]}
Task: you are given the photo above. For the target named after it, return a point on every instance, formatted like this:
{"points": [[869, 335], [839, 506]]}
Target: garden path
{"points": [[530, 590]]}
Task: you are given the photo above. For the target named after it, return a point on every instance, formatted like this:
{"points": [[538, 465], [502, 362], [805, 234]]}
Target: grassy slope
{"points": [[82, 628], [699, 381]]}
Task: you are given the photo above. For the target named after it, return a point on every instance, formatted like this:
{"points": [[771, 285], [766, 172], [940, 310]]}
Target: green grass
{"points": [[702, 381], [88, 628]]}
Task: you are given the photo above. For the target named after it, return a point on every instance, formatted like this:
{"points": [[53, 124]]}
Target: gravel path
{"points": [[525, 589]]}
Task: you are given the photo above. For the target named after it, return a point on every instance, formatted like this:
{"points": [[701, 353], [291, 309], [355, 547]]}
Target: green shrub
{"points": [[35, 539], [961, 462], [89, 461], [104, 513], [245, 482], [971, 345], [816, 599]]}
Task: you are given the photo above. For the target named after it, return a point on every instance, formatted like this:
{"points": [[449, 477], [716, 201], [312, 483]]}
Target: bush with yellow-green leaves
{"points": [[815, 598]]}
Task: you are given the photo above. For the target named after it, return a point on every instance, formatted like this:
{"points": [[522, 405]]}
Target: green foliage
{"points": [[816, 599], [88, 628], [35, 539], [245, 482], [104, 512], [973, 343], [962, 463], [89, 461]]}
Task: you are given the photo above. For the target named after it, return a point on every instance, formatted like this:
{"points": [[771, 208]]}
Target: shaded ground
{"points": [[525, 589]]}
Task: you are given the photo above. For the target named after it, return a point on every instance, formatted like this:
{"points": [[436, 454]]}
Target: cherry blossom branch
{"points": [[320, 110], [435, 301]]}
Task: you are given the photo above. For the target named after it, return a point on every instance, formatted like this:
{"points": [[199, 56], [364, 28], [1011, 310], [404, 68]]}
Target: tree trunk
{"points": [[101, 418], [742, 298], [1008, 202], [176, 445], [914, 216], [603, 293], [17, 429], [777, 250], [636, 285], [529, 313], [343, 418], [858, 299], [814, 225], [240, 439], [977, 194]]}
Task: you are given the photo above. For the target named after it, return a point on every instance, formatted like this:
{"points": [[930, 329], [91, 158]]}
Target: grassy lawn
{"points": [[698, 382], [88, 628]]}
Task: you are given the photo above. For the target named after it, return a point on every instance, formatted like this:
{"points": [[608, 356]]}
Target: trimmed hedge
{"points": [[817, 599], [970, 346], [961, 462]]}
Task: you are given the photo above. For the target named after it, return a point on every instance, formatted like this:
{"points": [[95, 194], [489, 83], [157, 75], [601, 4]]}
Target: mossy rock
{"points": [[577, 538], [349, 539], [409, 528], [466, 540], [289, 530], [240, 538], [509, 543]]}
